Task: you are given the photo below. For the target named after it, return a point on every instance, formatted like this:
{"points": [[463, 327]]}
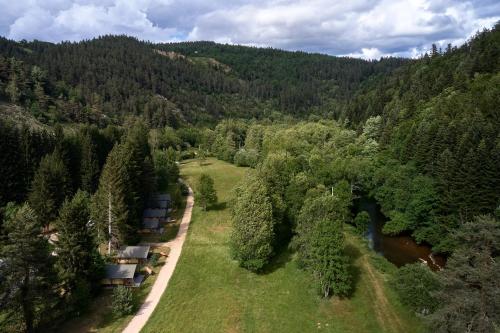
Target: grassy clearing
{"points": [[210, 293]]}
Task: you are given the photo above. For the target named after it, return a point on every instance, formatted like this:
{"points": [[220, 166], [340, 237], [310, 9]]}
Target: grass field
{"points": [[210, 293]]}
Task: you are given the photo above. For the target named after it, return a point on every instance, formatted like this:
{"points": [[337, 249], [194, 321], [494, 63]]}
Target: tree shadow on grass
{"points": [[218, 206], [353, 253], [283, 257]]}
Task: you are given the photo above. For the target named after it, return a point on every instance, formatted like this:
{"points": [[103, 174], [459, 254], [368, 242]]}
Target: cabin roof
{"points": [[124, 271], [133, 252], [151, 223], [155, 212]]}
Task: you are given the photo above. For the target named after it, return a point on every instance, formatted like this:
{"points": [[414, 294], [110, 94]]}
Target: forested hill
{"points": [[107, 78]]}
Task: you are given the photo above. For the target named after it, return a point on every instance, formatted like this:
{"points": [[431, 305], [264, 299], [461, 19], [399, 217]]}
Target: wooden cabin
{"points": [[117, 275], [133, 255]]}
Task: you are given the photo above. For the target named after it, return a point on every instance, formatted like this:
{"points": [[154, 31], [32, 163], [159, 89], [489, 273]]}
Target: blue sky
{"points": [[360, 28]]}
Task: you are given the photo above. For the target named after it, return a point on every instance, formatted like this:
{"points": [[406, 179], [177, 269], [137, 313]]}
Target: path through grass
{"points": [[210, 293]]}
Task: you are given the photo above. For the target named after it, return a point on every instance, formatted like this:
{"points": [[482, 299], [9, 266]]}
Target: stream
{"points": [[399, 250]]}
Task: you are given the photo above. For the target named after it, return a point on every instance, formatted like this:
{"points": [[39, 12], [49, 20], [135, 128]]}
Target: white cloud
{"points": [[362, 28]]}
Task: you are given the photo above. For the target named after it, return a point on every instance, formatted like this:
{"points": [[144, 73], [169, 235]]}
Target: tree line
{"points": [[65, 209]]}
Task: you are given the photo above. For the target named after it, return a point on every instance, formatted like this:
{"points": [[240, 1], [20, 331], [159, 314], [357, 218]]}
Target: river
{"points": [[399, 250]]}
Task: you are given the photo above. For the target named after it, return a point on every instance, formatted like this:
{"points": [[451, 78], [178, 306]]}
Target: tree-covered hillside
{"points": [[110, 77]]}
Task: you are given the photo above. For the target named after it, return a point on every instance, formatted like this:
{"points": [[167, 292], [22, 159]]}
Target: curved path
{"points": [[147, 308]]}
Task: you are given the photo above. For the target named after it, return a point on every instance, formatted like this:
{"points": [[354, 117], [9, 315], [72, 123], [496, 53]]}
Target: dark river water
{"points": [[399, 250]]}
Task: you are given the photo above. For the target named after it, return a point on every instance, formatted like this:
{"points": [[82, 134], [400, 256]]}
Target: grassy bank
{"points": [[210, 293]]}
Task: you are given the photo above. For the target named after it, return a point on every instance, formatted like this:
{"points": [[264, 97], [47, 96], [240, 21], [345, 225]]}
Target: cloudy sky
{"points": [[361, 28]]}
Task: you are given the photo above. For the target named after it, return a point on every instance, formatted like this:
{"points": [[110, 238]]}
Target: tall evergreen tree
{"points": [[89, 169], [469, 300], [27, 277], [78, 262], [109, 210], [50, 187]]}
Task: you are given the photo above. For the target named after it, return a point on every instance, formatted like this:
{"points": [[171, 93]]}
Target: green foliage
{"points": [[109, 204], [166, 169], [89, 169], [416, 285], [26, 271], [326, 259], [253, 225], [50, 187], [205, 194], [78, 263], [469, 298], [122, 301], [154, 259], [319, 242], [362, 222], [247, 158]]}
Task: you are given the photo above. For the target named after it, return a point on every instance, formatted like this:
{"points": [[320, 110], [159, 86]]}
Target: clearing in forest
{"points": [[209, 292]]}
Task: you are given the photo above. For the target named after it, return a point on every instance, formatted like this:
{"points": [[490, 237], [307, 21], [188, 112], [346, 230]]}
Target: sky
{"points": [[366, 29]]}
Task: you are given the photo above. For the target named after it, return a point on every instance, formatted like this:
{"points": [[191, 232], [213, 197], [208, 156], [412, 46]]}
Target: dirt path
{"points": [[387, 317], [147, 308]]}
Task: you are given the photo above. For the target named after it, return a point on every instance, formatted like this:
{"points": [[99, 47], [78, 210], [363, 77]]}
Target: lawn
{"points": [[210, 293]]}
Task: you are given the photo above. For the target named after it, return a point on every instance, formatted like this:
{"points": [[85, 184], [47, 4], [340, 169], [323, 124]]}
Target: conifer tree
{"points": [[50, 187], [89, 169], [109, 210], [78, 263], [27, 276], [469, 300]]}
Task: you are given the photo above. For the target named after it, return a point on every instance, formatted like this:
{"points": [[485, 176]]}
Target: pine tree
{"points": [[109, 206], [89, 169], [205, 193], [27, 277], [78, 263], [469, 300], [50, 187]]}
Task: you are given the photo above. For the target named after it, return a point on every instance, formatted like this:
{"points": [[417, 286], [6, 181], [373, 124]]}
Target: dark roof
{"points": [[160, 200], [155, 212], [151, 223], [129, 252], [125, 271], [163, 197]]}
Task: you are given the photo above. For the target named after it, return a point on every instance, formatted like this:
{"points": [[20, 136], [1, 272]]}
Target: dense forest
{"points": [[421, 137]]}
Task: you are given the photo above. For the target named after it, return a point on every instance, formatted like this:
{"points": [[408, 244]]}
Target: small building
{"points": [[161, 201], [151, 223], [122, 275], [155, 213], [133, 255]]}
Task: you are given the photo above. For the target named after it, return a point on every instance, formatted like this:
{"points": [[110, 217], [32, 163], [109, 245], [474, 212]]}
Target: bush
{"points": [[361, 222], [122, 301], [154, 259], [246, 158], [415, 285]]}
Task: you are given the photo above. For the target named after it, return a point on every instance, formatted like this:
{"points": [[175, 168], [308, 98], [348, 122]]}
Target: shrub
{"points": [[361, 222], [415, 285], [246, 158], [154, 259], [122, 301]]}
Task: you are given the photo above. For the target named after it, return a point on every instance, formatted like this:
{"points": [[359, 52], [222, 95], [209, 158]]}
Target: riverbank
{"points": [[210, 293]]}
